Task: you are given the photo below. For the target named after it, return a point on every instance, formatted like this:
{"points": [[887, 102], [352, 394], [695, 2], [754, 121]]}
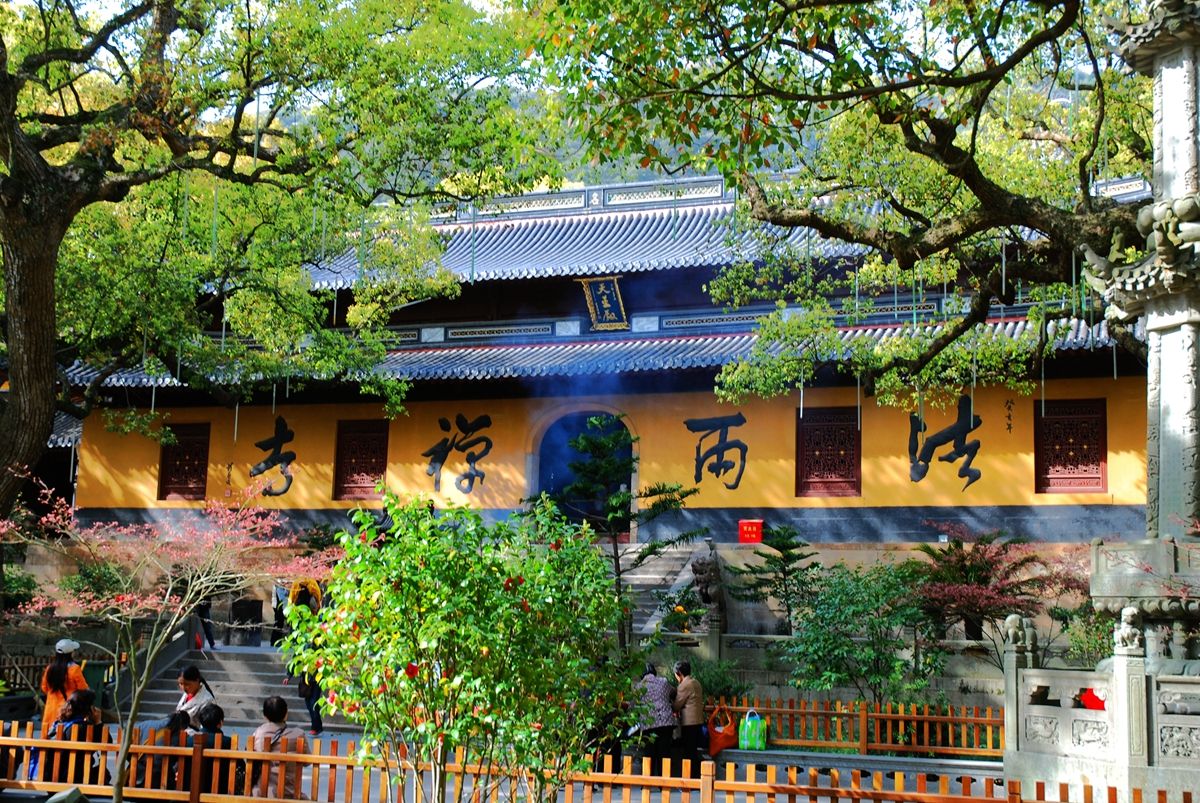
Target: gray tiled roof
{"points": [[568, 359], [593, 243], [628, 354], [66, 433], [618, 356]]}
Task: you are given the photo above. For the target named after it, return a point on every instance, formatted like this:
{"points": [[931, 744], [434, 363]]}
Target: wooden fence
{"points": [[867, 728], [332, 772], [24, 672]]}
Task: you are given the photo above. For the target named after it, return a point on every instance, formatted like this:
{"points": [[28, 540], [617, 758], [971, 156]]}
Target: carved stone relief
{"points": [[1178, 741], [1041, 729], [1153, 418], [1089, 733]]}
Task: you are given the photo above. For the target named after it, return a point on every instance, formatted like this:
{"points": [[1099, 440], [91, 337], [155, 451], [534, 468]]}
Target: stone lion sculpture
{"points": [[1126, 633]]}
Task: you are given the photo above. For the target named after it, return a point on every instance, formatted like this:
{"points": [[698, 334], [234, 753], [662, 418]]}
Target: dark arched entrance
{"points": [[555, 456]]}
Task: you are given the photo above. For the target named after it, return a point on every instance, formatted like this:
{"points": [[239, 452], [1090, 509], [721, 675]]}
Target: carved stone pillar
{"points": [[1173, 421], [1128, 702], [1015, 659]]}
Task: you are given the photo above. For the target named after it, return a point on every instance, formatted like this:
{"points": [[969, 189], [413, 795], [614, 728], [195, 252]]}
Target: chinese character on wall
{"points": [[474, 446], [713, 447], [277, 457], [955, 435]]}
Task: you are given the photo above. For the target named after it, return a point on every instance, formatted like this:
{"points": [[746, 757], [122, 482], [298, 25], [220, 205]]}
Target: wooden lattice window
{"points": [[1070, 445], [183, 465], [828, 452], [361, 459]]}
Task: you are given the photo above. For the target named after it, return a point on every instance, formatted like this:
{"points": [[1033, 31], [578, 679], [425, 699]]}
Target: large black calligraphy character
{"points": [[714, 456], [440, 451], [956, 433], [277, 457]]}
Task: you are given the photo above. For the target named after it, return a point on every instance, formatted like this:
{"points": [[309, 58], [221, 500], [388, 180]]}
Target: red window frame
{"points": [[1069, 426], [816, 428], [183, 465], [351, 471]]}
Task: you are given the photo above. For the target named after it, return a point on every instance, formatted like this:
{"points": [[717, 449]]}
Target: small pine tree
{"points": [[782, 575], [600, 495]]}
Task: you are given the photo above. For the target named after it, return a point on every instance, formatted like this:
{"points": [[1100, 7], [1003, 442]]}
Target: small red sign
{"points": [[750, 531]]}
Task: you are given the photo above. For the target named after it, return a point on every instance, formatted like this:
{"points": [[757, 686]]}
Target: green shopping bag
{"points": [[752, 732]]}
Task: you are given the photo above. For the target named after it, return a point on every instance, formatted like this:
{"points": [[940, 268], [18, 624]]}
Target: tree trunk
{"points": [[27, 415]]}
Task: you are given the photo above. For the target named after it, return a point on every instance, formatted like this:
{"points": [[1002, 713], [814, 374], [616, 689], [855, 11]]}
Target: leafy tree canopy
{"points": [[156, 152], [956, 142]]}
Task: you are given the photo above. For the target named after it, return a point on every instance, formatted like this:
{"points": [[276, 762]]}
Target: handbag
{"points": [[721, 731], [752, 732]]}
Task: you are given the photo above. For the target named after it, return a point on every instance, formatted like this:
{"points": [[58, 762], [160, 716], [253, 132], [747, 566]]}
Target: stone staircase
{"points": [[241, 678], [659, 573]]}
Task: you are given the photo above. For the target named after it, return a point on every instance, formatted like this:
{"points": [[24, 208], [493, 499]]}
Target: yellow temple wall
{"points": [[121, 471]]}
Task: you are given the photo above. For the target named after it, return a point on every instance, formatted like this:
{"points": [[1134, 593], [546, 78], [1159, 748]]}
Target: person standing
{"points": [[62, 678], [309, 686], [204, 614], [689, 706], [658, 722]]}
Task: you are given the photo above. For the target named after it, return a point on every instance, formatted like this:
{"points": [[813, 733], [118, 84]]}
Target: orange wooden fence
{"points": [[868, 728], [332, 772]]}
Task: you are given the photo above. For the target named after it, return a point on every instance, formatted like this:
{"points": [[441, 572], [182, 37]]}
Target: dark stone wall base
{"points": [[867, 525]]}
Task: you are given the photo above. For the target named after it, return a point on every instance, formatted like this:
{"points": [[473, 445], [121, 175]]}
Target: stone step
{"points": [[241, 678]]}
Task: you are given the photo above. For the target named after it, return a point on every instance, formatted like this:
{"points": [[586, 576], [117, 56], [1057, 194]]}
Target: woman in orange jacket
{"points": [[61, 679]]}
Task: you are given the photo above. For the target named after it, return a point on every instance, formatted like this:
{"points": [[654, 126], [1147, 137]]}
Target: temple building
{"points": [[593, 300]]}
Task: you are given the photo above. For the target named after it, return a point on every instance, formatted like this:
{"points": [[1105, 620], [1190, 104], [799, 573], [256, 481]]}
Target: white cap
{"points": [[66, 646]]}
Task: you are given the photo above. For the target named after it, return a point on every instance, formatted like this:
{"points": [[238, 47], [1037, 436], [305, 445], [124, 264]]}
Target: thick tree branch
{"points": [[80, 55], [977, 313]]}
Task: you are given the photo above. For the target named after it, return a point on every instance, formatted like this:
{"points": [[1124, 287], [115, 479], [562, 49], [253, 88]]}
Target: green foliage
{"points": [[955, 142], [19, 588], [1089, 635], [864, 628], [718, 678], [783, 574], [193, 160], [97, 578], [444, 632]]}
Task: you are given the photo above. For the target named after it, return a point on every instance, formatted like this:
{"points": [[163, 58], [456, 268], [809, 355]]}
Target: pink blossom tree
{"points": [[166, 570], [979, 579]]}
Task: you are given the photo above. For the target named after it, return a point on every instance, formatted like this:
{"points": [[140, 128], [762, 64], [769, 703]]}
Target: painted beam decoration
{"points": [[604, 303], [277, 457], [715, 431], [954, 434], [465, 440]]}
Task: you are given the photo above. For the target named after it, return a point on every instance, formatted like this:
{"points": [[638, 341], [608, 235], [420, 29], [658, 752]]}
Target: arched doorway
{"points": [[555, 456]]}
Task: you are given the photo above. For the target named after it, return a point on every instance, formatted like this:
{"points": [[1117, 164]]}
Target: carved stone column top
{"points": [[1171, 24]]}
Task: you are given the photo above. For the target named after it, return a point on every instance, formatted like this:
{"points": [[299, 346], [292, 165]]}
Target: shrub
{"points": [[784, 574], [20, 587], [1089, 636], [100, 578], [681, 610], [865, 628], [716, 678]]}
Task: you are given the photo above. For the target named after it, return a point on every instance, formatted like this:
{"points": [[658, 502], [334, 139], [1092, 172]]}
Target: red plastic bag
{"points": [[722, 730]]}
